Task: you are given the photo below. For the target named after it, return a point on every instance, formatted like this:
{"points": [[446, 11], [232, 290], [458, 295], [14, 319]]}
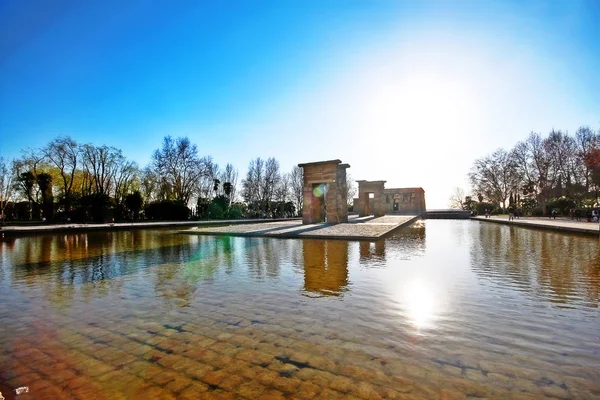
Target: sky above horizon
{"points": [[404, 91]]}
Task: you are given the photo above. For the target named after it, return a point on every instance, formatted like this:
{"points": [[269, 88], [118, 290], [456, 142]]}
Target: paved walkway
{"points": [[558, 224], [51, 228], [365, 228]]}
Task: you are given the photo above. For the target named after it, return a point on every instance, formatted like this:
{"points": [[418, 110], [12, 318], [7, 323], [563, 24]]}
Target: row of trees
{"points": [[65, 177], [66, 180], [559, 171], [266, 190]]}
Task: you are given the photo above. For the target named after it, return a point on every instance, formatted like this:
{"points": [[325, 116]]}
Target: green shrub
{"points": [[167, 210], [236, 211], [215, 211]]}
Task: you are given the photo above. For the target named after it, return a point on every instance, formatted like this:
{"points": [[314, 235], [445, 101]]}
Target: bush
{"points": [[528, 206], [134, 203], [215, 211], [561, 205], [97, 207], [497, 210], [236, 211], [482, 206], [167, 210]]}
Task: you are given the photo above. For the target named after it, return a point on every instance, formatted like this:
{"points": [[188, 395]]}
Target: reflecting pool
{"points": [[441, 310]]}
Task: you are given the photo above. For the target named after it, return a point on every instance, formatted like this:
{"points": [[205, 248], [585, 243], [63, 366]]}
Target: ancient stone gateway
{"points": [[399, 201], [404, 201], [325, 192], [375, 206]]}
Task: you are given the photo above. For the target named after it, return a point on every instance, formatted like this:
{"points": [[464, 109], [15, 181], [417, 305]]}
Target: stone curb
{"points": [[591, 231]]}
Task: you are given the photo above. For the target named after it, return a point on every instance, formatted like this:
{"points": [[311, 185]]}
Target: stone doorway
{"points": [[319, 191], [370, 200], [325, 192]]}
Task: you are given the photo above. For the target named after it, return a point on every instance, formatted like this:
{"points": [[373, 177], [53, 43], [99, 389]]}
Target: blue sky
{"points": [[406, 91]]}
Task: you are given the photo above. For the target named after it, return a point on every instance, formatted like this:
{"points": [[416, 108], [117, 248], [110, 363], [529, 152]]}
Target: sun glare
{"points": [[418, 100], [419, 302]]}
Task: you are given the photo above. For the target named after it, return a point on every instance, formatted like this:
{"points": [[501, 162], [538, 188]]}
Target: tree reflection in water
{"points": [[562, 268]]}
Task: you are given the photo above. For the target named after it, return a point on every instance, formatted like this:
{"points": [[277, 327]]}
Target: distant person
{"points": [[595, 216], [554, 213], [571, 214], [511, 216], [578, 215], [487, 213]]}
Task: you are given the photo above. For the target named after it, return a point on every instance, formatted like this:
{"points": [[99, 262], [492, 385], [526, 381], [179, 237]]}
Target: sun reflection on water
{"points": [[420, 304]]}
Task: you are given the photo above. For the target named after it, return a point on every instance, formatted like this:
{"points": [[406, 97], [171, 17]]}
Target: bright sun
{"points": [[419, 301]]}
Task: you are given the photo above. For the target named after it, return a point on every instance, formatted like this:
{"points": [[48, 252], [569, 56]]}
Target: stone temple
{"points": [[375, 199], [325, 192], [325, 195]]}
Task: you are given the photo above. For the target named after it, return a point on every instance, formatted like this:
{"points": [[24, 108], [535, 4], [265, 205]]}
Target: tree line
{"points": [[539, 174], [70, 181]]}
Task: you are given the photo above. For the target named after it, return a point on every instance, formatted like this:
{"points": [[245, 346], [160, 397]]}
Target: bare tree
{"points": [[177, 161], [229, 177], [126, 174], [351, 189], [149, 185], [272, 178], [561, 149], [252, 185], [536, 168], [28, 167], [585, 141], [206, 183], [297, 187], [457, 198], [495, 176], [282, 189], [100, 164], [6, 185], [63, 153]]}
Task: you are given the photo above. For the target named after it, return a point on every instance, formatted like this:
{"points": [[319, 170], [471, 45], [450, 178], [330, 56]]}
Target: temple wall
{"points": [[332, 205]]}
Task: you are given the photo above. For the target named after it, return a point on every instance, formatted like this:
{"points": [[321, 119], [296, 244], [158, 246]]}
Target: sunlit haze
{"points": [[407, 92]]}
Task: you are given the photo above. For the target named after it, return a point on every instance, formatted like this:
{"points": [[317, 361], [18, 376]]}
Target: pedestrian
{"points": [[487, 213], [554, 213], [571, 214]]}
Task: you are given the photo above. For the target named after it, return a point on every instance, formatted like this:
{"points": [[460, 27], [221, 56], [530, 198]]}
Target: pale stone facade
{"points": [[367, 205], [325, 192], [390, 201], [404, 200]]}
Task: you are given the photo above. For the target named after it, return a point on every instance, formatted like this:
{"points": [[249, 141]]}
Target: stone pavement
{"points": [[70, 227], [365, 228], [558, 224]]}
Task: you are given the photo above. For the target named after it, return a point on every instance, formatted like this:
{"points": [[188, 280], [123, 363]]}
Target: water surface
{"points": [[443, 309]]}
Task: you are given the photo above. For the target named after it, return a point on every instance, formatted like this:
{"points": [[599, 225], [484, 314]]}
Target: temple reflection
{"points": [[370, 250], [325, 267]]}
